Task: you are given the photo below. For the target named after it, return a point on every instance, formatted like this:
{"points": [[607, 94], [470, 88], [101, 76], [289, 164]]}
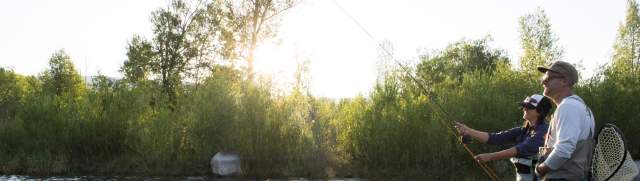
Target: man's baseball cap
{"points": [[563, 68]]}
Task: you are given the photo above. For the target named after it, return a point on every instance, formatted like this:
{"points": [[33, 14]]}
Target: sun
{"points": [[276, 61]]}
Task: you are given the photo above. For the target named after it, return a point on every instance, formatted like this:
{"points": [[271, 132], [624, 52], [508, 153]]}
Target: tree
{"points": [[185, 42], [302, 77], [139, 53], [62, 78], [386, 61], [10, 94], [538, 41], [627, 45], [254, 21], [188, 37], [460, 58]]}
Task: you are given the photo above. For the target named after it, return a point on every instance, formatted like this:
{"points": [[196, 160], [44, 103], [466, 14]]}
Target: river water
{"points": [[162, 178], [132, 178], [54, 178]]}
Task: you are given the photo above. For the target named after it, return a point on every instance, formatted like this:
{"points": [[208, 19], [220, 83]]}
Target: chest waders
{"points": [[578, 165]]}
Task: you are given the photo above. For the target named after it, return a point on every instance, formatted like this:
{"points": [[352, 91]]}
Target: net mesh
{"points": [[608, 154]]}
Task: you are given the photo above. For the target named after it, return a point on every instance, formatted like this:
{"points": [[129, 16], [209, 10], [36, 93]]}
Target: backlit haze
{"points": [[343, 58]]}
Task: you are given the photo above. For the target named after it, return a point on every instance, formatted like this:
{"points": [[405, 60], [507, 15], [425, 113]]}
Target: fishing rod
{"points": [[449, 125]]}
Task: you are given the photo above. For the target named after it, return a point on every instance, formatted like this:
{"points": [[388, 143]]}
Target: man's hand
{"points": [[542, 169], [485, 157]]}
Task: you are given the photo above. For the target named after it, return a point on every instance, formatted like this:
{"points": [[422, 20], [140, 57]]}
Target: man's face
{"points": [[552, 82]]}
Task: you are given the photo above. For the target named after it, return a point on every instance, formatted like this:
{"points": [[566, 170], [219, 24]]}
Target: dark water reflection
{"points": [[55, 178], [150, 178]]}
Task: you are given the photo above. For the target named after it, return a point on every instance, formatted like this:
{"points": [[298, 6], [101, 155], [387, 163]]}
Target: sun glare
{"points": [[277, 62]]}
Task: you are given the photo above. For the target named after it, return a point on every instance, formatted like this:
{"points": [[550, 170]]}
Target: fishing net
{"points": [[611, 160]]}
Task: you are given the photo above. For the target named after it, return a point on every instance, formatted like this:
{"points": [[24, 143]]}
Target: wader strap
{"points": [[590, 154], [534, 164]]}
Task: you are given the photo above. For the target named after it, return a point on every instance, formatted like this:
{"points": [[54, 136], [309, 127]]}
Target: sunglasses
{"points": [[550, 78]]}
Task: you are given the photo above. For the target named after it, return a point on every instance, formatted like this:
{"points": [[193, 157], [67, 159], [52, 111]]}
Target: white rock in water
{"points": [[225, 164]]}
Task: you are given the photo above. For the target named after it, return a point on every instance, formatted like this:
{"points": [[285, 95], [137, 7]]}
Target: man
{"points": [[568, 146]]}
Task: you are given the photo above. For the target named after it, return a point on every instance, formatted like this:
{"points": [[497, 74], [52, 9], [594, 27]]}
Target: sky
{"points": [[343, 57]]}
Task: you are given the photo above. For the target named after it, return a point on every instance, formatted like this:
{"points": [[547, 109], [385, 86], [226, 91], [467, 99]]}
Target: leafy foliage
{"points": [[538, 41], [176, 107], [457, 59]]}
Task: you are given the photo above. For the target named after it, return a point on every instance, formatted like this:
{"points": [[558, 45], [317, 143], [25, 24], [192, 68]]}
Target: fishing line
{"points": [[427, 93]]}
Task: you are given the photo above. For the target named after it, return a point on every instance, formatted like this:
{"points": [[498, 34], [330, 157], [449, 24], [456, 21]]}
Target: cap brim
{"points": [[527, 105], [543, 69]]}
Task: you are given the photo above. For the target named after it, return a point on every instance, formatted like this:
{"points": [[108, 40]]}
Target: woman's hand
{"points": [[462, 129], [485, 157], [469, 133]]}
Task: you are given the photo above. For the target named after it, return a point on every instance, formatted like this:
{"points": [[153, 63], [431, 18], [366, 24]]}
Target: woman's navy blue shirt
{"points": [[527, 142]]}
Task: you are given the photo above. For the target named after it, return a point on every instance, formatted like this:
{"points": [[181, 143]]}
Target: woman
{"points": [[527, 138]]}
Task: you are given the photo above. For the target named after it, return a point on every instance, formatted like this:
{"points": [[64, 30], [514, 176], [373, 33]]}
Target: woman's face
{"points": [[530, 115]]}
